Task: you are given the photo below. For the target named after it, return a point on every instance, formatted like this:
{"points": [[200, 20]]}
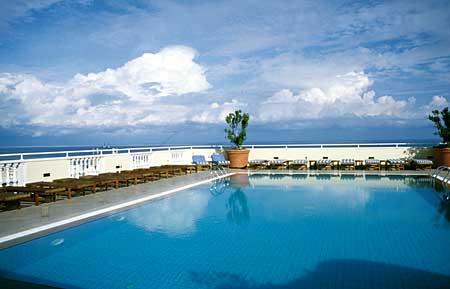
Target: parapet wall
{"points": [[27, 168]]}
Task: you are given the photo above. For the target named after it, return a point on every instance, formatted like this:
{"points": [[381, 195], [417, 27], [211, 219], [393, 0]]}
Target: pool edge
{"points": [[43, 230]]}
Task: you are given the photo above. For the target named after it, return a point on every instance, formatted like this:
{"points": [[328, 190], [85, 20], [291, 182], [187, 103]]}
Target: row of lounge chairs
{"points": [[345, 164], [324, 163], [14, 196], [216, 159]]}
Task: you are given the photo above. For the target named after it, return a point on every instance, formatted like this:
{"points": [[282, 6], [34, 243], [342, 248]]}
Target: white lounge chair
{"points": [[258, 164], [372, 164], [422, 164], [348, 164], [279, 164], [324, 164], [300, 164], [395, 164]]}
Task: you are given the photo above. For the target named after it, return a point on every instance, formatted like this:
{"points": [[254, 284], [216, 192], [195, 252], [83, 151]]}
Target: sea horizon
{"points": [[54, 148]]}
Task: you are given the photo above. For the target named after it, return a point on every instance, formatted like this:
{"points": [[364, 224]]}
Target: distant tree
{"points": [[441, 120]]}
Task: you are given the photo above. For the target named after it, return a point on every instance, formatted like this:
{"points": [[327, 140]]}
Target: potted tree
{"points": [[236, 134], [441, 121]]}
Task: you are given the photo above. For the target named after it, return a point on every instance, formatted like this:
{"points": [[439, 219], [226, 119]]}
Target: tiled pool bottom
{"points": [[268, 231]]}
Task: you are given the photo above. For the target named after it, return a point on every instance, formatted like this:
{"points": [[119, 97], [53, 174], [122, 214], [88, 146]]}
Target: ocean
{"points": [[34, 149]]}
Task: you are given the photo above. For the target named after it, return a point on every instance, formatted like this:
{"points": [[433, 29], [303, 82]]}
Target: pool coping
{"points": [[340, 172], [46, 229]]}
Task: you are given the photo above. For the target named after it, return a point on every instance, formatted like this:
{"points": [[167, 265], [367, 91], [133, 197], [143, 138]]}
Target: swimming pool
{"points": [[262, 231]]}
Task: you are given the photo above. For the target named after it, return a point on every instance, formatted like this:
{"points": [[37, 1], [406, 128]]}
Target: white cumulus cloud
{"points": [[347, 94], [126, 95], [172, 71], [216, 112]]}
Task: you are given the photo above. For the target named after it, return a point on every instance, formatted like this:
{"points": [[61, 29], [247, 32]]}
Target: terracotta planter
{"points": [[441, 156], [238, 158]]}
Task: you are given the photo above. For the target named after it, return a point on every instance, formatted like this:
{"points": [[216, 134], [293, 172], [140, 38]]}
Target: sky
{"points": [[91, 72]]}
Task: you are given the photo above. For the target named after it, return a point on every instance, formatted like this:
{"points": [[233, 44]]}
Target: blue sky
{"points": [[138, 72]]}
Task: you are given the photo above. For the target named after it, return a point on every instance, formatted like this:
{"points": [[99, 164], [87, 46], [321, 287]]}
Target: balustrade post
{"points": [[1, 175]]}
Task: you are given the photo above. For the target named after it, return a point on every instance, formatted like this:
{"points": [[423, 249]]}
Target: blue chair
{"points": [[200, 162], [219, 159]]}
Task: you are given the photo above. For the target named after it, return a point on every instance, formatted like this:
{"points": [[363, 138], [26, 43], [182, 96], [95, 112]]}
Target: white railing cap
{"points": [[94, 152]]}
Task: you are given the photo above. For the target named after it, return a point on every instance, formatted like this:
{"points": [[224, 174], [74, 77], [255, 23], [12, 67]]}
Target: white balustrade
{"points": [[11, 174], [141, 160], [85, 166], [177, 156], [21, 168]]}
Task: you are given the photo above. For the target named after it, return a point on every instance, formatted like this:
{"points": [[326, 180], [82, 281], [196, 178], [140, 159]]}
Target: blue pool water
{"points": [[274, 231]]}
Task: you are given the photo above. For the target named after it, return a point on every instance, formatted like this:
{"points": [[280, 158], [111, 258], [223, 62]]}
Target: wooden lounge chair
{"points": [[395, 164], [147, 174], [258, 164], [50, 185], [347, 164], [421, 164], [100, 183], [176, 170], [119, 179], [11, 200], [279, 164], [372, 164], [200, 162], [78, 186], [300, 164], [37, 194], [162, 172], [186, 169], [219, 160], [133, 177], [324, 164]]}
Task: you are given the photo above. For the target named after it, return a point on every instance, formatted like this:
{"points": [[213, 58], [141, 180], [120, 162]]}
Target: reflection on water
{"points": [[237, 206], [174, 215], [443, 216], [438, 200], [219, 186]]}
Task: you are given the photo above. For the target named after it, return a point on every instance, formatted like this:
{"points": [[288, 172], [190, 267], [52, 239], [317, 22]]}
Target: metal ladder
{"points": [[437, 173], [444, 179], [217, 170]]}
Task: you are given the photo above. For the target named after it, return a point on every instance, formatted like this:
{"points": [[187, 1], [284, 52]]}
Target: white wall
{"points": [[34, 170], [331, 153]]}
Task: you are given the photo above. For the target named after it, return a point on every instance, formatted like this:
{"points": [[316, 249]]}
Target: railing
{"points": [[11, 173], [21, 168], [68, 154], [84, 166], [349, 145], [141, 160]]}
